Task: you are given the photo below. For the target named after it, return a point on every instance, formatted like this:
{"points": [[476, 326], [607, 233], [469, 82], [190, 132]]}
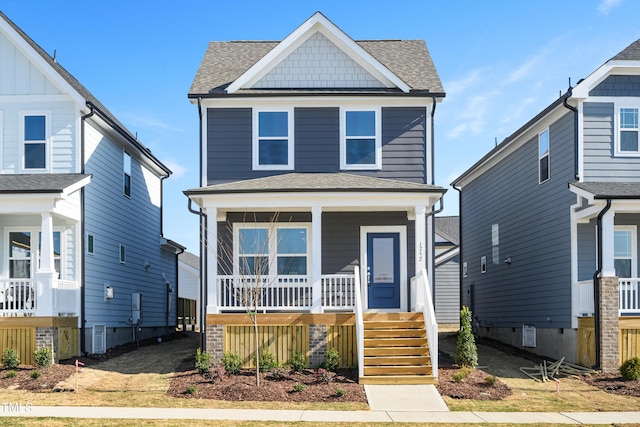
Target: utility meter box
{"points": [[136, 307]]}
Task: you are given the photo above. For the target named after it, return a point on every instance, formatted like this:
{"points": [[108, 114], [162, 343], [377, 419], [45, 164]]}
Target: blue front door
{"points": [[383, 270]]}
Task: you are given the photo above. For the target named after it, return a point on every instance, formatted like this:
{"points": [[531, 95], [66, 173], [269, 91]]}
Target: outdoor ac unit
{"points": [[528, 336], [99, 339]]}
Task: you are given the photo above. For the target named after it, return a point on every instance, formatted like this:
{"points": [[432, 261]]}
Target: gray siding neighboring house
{"points": [[539, 236], [447, 275]]}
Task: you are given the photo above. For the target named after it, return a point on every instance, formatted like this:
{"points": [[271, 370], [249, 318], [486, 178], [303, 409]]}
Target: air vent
{"points": [[528, 336], [99, 339]]}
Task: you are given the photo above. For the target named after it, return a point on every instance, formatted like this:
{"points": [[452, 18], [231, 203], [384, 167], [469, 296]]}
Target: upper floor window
{"points": [[272, 140], [34, 135], [543, 155], [123, 254], [361, 146], [628, 126], [127, 174]]}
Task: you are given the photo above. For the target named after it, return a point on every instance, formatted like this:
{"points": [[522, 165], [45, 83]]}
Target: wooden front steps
{"points": [[396, 350]]}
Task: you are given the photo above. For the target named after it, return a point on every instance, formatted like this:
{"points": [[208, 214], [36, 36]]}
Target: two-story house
{"points": [[83, 263], [317, 182], [550, 224]]}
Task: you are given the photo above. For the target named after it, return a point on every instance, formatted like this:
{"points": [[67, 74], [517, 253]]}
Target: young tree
{"points": [[466, 352]]}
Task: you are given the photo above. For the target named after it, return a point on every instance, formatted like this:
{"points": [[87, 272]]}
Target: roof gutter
{"points": [[596, 287], [576, 169]]}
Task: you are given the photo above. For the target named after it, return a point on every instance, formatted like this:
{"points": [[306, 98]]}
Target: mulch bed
{"points": [[474, 386], [614, 383], [46, 382], [273, 388]]}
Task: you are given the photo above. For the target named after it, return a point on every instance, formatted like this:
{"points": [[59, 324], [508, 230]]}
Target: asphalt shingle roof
{"points": [[630, 53], [190, 259], [291, 182], [449, 228], [610, 190], [224, 62], [38, 183]]}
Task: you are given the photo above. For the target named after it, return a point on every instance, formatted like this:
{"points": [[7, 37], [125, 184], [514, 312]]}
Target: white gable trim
{"points": [[583, 88], [317, 23], [40, 63]]}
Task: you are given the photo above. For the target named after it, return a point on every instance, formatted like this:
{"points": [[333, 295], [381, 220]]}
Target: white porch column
{"points": [[608, 268], [316, 259], [45, 270], [421, 250], [212, 260]]}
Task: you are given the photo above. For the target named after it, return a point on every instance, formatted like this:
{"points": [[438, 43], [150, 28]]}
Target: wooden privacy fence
{"points": [[282, 341], [23, 340], [343, 339], [628, 339]]}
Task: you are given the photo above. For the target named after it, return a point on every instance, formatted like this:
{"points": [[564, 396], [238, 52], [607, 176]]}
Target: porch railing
{"points": [[284, 292], [424, 303], [628, 297], [19, 297]]}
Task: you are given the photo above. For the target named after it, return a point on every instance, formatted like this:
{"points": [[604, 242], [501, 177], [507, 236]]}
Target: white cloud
{"points": [[605, 6], [177, 169], [146, 121], [459, 86]]}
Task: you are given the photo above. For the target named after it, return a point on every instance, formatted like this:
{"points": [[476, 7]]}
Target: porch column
{"points": [[44, 293], [316, 259], [211, 250], [608, 268], [420, 239]]}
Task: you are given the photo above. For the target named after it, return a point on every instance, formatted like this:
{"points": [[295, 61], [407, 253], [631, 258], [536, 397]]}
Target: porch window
{"points": [[628, 136], [543, 156], [57, 250], [272, 143], [624, 244], [253, 256], [34, 141], [19, 255], [292, 251], [361, 146]]}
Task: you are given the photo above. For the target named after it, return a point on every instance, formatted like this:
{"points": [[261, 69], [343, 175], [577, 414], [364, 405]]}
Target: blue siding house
{"points": [[317, 193], [83, 262], [550, 224]]}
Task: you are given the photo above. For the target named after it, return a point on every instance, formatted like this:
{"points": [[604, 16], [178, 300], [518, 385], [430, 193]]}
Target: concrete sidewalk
{"points": [[8, 410]]}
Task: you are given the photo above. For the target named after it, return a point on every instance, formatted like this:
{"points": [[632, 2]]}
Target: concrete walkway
{"points": [[374, 416]]}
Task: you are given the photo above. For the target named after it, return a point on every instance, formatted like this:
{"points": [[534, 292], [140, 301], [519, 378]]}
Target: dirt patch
{"points": [[45, 382], [281, 385]]}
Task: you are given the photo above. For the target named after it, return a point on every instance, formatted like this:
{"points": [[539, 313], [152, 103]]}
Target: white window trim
{"points": [[548, 155], [91, 237], [256, 138], [272, 232], [617, 130], [47, 141], [343, 138], [634, 246], [35, 253]]}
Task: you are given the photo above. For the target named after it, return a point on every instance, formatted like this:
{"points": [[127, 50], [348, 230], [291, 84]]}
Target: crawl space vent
{"points": [[99, 339], [528, 336]]}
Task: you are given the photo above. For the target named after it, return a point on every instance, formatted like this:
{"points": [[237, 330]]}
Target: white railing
{"points": [[359, 321], [628, 292], [66, 298], [424, 303], [338, 291], [18, 297], [585, 298]]}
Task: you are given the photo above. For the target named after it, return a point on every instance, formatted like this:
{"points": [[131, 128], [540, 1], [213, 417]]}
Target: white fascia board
{"points": [[317, 101], [521, 139], [31, 203], [582, 193], [314, 24], [75, 187], [582, 89], [41, 64], [446, 256], [625, 206]]}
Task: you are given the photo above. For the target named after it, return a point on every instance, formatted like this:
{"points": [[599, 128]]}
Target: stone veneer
{"points": [[317, 344], [609, 328], [215, 342], [48, 337]]}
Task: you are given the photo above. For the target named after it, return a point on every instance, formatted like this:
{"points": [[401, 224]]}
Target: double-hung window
{"points": [[543, 156], [628, 131], [126, 179], [273, 140], [360, 142], [624, 250], [34, 141], [22, 256]]}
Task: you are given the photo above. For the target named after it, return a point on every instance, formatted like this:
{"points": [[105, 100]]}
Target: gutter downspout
{"points": [[83, 343], [576, 169], [460, 272], [431, 180], [596, 288]]}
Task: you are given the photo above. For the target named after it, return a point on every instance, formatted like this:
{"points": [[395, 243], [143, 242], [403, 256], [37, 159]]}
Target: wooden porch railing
{"points": [[285, 293], [19, 297], [628, 292]]}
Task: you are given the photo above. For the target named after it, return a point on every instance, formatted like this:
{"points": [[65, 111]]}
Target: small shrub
{"points": [[324, 375], [466, 351], [203, 361], [298, 387], [217, 373], [332, 359], [490, 380], [266, 360], [43, 357], [191, 389], [278, 373], [10, 358], [232, 363], [11, 374], [462, 374], [340, 392], [35, 374], [630, 369], [298, 362]]}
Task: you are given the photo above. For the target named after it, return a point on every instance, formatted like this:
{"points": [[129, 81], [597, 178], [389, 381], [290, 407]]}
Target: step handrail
{"points": [[359, 322], [424, 303]]}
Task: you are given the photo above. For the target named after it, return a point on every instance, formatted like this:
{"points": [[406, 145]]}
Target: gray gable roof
{"points": [[224, 62], [449, 228], [610, 190], [190, 259], [293, 182], [630, 53], [84, 92], [38, 183]]}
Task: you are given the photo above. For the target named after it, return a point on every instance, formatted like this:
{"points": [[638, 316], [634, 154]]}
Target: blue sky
{"points": [[501, 62]]}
